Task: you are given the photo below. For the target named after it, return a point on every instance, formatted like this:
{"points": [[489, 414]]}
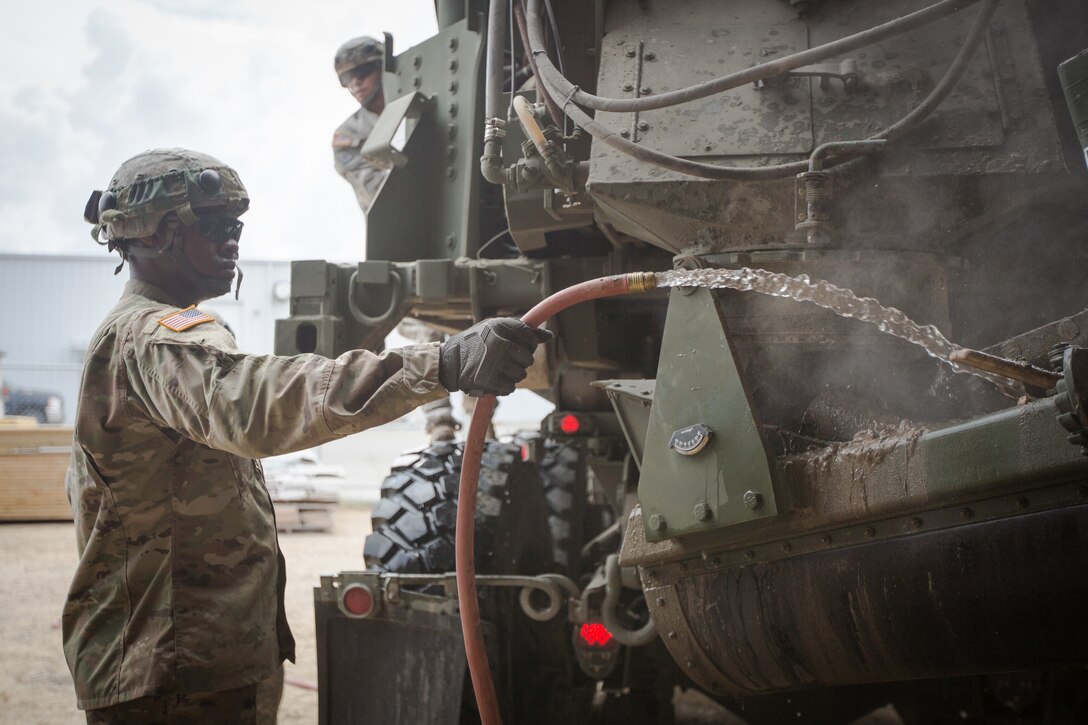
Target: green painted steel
{"points": [[698, 383], [1019, 447], [429, 207]]}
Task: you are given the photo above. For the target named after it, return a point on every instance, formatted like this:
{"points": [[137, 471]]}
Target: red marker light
{"points": [[525, 451], [570, 424], [595, 634], [357, 600]]}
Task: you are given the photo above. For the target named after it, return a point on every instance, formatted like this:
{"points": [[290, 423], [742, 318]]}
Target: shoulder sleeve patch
{"points": [[342, 140], [179, 320]]}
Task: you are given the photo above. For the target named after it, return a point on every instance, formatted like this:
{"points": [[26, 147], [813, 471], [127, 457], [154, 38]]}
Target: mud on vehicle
{"points": [[783, 508]]}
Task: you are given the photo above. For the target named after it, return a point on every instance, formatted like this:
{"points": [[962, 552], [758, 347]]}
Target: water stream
{"points": [[840, 301]]}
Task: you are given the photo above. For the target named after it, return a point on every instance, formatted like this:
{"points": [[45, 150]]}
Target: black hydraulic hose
{"points": [[566, 90], [763, 173]]}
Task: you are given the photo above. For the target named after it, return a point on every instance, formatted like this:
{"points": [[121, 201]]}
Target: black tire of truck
{"points": [[560, 476], [413, 524], [413, 532]]}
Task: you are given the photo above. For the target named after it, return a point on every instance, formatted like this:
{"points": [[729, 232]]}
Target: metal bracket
{"points": [[699, 382], [385, 144], [394, 591], [846, 72]]}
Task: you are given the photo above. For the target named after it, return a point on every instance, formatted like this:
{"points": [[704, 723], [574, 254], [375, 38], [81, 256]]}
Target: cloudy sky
{"points": [[87, 84]]}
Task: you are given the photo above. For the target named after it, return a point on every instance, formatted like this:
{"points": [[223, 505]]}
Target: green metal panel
{"points": [[1004, 449], [381, 145], [429, 206], [698, 383], [313, 325]]}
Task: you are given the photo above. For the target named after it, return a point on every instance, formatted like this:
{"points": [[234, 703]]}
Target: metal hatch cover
{"points": [[747, 121]]}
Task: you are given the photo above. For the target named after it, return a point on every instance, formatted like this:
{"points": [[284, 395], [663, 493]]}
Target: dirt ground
{"points": [[36, 564]]}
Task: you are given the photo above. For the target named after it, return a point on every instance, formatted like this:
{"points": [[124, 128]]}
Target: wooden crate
{"points": [[33, 462]]}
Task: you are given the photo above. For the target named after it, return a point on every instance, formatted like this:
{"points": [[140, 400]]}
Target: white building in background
{"points": [[51, 305]]}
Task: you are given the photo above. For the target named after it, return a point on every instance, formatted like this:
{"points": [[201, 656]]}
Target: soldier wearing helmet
{"points": [[175, 612], [358, 64]]}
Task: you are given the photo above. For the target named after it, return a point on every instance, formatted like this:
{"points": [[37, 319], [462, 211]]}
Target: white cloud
{"points": [[247, 81]]}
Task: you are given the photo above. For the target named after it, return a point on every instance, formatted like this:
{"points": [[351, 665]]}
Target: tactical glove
{"points": [[489, 357]]}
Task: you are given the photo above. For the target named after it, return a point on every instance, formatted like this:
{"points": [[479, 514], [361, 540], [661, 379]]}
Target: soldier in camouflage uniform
{"points": [[358, 64], [175, 612]]}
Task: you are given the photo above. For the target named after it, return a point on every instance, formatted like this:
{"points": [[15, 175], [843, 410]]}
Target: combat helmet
{"points": [[155, 183], [357, 52]]}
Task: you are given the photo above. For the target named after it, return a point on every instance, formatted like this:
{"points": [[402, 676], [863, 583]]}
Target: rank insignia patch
{"points": [[184, 319]]}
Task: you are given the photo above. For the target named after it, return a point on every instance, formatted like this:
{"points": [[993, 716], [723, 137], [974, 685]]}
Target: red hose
{"points": [[482, 684]]}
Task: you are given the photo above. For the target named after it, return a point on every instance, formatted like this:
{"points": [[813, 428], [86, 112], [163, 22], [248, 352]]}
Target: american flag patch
{"points": [[184, 319]]}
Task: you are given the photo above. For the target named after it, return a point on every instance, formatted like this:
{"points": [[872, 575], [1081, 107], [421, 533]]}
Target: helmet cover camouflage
{"points": [[356, 52], [154, 183]]}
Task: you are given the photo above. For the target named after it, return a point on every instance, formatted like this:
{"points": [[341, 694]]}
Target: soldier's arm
{"points": [[195, 383]]}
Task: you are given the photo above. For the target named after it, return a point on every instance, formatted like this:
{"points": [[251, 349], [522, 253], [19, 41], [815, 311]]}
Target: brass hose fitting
{"points": [[641, 282]]}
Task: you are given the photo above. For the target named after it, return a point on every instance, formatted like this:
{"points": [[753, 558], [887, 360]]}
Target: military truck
{"points": [[737, 494]]}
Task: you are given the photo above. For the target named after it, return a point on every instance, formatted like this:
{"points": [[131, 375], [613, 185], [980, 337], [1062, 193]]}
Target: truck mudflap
{"points": [[389, 645]]}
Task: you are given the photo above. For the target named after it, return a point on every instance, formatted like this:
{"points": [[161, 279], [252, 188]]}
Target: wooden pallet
{"points": [[294, 516], [33, 461]]}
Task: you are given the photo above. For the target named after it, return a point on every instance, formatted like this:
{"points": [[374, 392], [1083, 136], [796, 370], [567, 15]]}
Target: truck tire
{"points": [[559, 475], [413, 524]]}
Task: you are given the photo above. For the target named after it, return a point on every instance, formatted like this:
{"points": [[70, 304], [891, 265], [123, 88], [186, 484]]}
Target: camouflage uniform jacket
{"points": [[179, 586], [347, 150]]}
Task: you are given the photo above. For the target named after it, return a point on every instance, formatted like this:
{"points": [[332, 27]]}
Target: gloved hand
{"points": [[489, 357]]}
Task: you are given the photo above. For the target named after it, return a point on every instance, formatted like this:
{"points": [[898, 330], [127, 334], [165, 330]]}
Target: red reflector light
{"points": [[525, 451], [357, 600], [570, 424], [595, 634]]}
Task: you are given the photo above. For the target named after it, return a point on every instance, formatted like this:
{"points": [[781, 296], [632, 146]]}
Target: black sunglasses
{"points": [[219, 228]]}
